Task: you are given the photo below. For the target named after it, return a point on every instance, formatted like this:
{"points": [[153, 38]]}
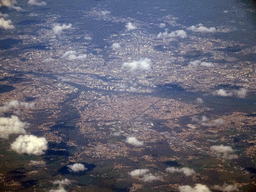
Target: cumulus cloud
{"points": [[138, 172], [72, 55], [149, 178], [77, 167], [199, 100], [11, 125], [134, 141], [10, 4], [223, 93], [115, 45], [197, 188], [185, 170], [226, 188], [207, 64], [37, 163], [225, 151], [57, 28], [61, 184], [201, 28], [162, 25], [6, 24], [241, 93], [144, 175], [179, 33], [34, 2], [29, 144], [142, 64], [215, 122], [197, 63], [3, 15], [15, 104], [129, 26]]}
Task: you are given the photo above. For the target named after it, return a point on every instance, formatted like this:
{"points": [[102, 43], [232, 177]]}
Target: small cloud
{"points": [[77, 167], [197, 188], [144, 175], [138, 172], [10, 4], [199, 100], [194, 63], [149, 178], [200, 28], [162, 25], [14, 104], [226, 188], [241, 93], [223, 93], [29, 144], [34, 2], [185, 170], [215, 122], [57, 28], [37, 163], [142, 64], [225, 151], [71, 55], [104, 13], [129, 26], [207, 64], [4, 15], [11, 125], [61, 184], [115, 45], [179, 33], [134, 141], [6, 24]]}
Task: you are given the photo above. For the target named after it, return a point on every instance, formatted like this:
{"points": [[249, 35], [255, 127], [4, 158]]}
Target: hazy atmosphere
{"points": [[128, 95]]}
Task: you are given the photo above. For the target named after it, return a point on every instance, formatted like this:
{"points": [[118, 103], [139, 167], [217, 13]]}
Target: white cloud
{"points": [[225, 151], [59, 189], [199, 100], [134, 141], [34, 2], [71, 55], [4, 15], [10, 4], [77, 167], [61, 184], [15, 104], [57, 28], [241, 93], [185, 170], [129, 26], [138, 172], [11, 125], [6, 24], [37, 163], [207, 64], [194, 63], [162, 25], [223, 93], [142, 64], [149, 178], [202, 29], [179, 33], [215, 122], [197, 188], [226, 188], [29, 144], [115, 45]]}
